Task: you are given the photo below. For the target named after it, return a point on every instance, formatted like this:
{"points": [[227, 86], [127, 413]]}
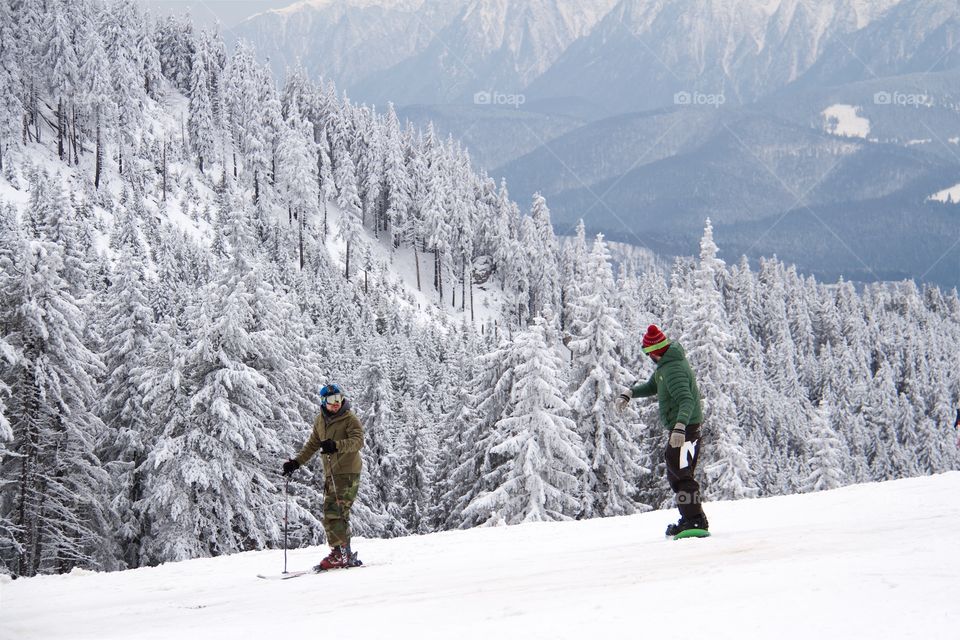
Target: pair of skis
{"points": [[306, 572], [287, 575]]}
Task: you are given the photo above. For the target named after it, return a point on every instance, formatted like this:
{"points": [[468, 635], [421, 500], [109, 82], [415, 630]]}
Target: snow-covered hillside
{"points": [[950, 196], [845, 120], [868, 561]]}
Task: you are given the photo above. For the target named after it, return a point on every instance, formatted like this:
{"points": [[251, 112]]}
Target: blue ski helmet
{"points": [[331, 393]]}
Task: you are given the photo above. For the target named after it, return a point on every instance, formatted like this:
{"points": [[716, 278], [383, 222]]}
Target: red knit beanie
{"points": [[654, 342]]}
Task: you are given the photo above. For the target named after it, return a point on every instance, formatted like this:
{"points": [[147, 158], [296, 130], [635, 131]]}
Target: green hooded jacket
{"points": [[675, 386], [345, 429]]}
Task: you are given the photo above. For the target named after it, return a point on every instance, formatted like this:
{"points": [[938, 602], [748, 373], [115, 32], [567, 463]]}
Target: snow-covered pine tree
{"points": [[127, 331], [297, 183], [59, 56], [543, 259], [211, 484], [573, 262], [531, 471], [826, 466], [597, 379], [200, 123], [708, 339], [378, 512], [11, 107], [397, 184], [174, 41], [55, 484], [348, 200]]}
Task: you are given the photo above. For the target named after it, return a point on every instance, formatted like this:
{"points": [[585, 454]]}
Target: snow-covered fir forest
{"points": [[189, 251]]}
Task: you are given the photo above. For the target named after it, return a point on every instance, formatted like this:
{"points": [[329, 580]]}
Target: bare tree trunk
{"points": [[73, 136], [416, 260], [35, 115], [98, 161], [164, 171], [60, 150], [463, 281], [437, 273], [301, 240], [346, 275]]}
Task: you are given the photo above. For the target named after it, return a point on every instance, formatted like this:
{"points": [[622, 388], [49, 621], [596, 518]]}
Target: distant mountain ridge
{"points": [[623, 112]]}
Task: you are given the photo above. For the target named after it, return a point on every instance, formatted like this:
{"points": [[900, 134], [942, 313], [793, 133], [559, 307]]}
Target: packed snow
{"points": [[845, 120], [865, 561]]}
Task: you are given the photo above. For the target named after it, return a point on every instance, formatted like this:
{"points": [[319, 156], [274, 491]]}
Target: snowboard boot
{"points": [[695, 522]]}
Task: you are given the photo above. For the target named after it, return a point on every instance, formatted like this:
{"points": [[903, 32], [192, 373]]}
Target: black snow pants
{"points": [[681, 463]]}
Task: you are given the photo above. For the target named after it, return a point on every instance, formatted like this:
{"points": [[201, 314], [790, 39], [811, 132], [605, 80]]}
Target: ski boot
{"points": [[340, 558]]}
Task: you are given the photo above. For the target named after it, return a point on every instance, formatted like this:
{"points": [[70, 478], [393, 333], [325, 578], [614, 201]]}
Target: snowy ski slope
{"points": [[869, 561]]}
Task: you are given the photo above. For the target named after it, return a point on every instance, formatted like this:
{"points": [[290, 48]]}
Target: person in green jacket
{"points": [[675, 386], [338, 435]]}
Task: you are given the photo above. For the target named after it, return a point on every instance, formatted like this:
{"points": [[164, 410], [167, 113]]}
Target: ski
{"points": [[297, 574], [285, 576]]}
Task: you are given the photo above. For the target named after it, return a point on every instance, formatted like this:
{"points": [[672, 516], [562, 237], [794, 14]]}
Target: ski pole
{"points": [[286, 513]]}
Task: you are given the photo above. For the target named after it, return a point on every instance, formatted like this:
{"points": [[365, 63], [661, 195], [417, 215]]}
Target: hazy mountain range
{"points": [[800, 127]]}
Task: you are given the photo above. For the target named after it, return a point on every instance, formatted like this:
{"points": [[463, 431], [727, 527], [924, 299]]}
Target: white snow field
{"points": [[845, 120], [867, 561]]}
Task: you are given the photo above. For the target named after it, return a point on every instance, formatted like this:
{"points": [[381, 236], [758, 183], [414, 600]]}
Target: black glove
{"points": [[290, 466], [328, 446]]}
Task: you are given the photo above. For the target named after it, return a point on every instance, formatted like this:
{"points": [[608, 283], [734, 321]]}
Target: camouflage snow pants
{"points": [[336, 506]]}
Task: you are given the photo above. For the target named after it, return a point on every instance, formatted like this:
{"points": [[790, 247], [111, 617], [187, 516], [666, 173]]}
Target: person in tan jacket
{"points": [[338, 435]]}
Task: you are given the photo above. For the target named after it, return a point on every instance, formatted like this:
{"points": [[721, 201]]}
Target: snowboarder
{"points": [[338, 435], [675, 386]]}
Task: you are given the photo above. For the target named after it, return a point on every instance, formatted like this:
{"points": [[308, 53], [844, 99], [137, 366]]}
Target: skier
{"points": [[337, 433], [675, 386]]}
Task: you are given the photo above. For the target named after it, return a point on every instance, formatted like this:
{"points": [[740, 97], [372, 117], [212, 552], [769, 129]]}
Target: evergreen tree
{"points": [[826, 462], [56, 499], [612, 452], [127, 332], [709, 343], [200, 122], [348, 200], [11, 107], [531, 470]]}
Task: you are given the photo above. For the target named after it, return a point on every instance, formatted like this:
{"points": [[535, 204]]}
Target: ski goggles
{"points": [[333, 398]]}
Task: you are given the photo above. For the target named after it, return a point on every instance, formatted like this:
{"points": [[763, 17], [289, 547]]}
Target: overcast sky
{"points": [[206, 12]]}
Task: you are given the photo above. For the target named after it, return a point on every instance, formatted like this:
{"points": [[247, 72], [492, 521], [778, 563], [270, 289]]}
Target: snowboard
{"points": [[692, 533]]}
